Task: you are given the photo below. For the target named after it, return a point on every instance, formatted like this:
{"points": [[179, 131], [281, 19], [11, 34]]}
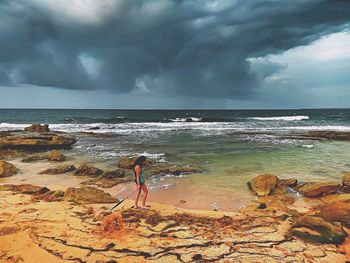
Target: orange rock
{"points": [[336, 212], [263, 184], [7, 169], [56, 155], [38, 128], [316, 189]]}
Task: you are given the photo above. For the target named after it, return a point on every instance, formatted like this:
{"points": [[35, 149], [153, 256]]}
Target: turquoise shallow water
{"points": [[231, 146]]}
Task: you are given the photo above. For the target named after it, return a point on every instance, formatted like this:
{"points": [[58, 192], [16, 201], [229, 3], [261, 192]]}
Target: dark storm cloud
{"points": [[197, 47]]}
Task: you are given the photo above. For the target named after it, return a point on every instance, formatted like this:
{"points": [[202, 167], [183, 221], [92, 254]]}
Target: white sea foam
{"points": [[199, 128], [308, 146], [282, 118], [188, 119]]}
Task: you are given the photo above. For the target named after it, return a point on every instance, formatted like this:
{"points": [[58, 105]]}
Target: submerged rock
{"points": [[88, 170], [25, 189], [34, 158], [173, 169], [331, 135], [263, 184], [88, 195], [336, 212], [316, 229], [317, 189], [7, 169], [59, 169], [38, 128], [127, 162], [56, 156]]}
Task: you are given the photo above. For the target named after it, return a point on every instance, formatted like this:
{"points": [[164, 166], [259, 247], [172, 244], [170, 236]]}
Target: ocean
{"points": [[232, 146]]}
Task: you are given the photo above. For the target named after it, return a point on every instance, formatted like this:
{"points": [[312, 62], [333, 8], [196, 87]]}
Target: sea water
{"points": [[232, 146]]}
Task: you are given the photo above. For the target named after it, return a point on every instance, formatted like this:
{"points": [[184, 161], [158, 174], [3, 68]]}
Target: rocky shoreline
{"points": [[76, 225]]}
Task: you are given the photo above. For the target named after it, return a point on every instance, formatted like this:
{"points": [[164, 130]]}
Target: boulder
{"points": [[7, 169], [88, 170], [317, 189], [56, 156], [346, 182], [127, 162], [119, 173], [336, 212], [173, 169], [25, 189], [315, 229], [59, 169], [36, 143], [88, 195], [263, 184], [38, 128]]}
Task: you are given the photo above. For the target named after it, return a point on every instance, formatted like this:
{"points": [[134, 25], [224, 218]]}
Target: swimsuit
{"points": [[142, 178]]}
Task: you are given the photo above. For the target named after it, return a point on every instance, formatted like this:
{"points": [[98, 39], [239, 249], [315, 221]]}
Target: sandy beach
{"points": [[52, 214]]}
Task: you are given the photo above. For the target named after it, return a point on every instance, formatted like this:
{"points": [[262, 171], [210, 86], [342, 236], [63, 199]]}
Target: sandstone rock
{"points": [[36, 143], [25, 189], [346, 182], [277, 199], [50, 196], [336, 198], [316, 189], [119, 173], [127, 162], [56, 156], [88, 195], [315, 229], [263, 184], [34, 158], [173, 169], [59, 169], [12, 154], [336, 212], [38, 128], [288, 182], [7, 169], [88, 170]]}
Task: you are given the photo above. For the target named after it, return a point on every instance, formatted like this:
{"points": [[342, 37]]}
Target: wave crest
{"points": [[282, 118]]}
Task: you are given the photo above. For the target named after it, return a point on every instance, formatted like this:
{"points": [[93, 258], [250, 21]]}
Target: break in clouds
{"points": [[202, 48]]}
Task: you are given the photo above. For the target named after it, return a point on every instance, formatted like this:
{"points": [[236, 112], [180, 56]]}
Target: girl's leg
{"points": [[145, 192], [137, 197]]}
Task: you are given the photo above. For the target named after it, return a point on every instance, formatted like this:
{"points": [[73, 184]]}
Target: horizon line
{"points": [[149, 109]]}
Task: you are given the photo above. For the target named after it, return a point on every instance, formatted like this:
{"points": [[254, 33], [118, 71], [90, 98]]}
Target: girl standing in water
{"points": [[140, 181]]}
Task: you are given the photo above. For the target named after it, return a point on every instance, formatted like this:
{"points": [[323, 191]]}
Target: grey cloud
{"points": [[195, 48]]}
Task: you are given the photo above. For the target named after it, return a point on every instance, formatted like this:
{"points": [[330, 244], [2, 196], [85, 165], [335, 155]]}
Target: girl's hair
{"points": [[138, 161]]}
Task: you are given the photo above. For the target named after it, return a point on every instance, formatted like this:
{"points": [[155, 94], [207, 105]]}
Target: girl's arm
{"points": [[138, 171]]}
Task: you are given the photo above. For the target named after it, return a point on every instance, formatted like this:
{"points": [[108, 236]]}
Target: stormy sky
{"points": [[174, 53]]}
